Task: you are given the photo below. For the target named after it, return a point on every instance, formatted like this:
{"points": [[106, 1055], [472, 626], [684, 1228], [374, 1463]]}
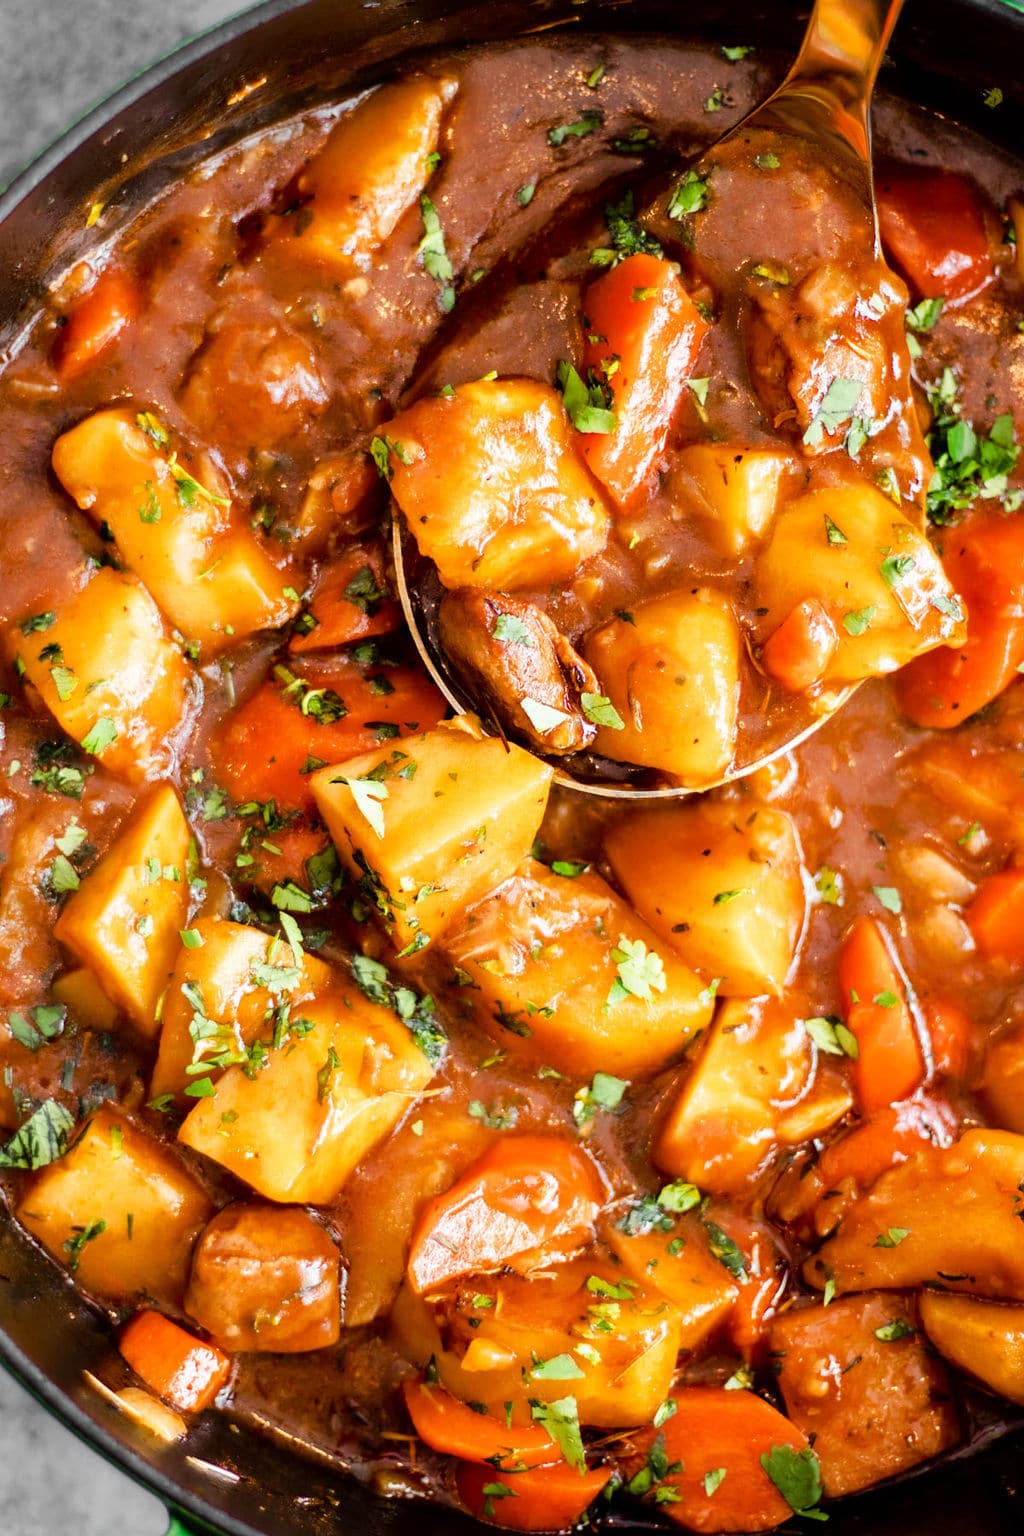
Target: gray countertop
{"points": [[57, 58]]}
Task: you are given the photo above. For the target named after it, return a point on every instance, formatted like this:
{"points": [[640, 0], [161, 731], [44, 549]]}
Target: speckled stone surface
{"points": [[57, 58]]}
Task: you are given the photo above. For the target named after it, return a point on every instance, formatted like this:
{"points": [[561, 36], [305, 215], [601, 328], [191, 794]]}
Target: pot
{"points": [[280, 57]]}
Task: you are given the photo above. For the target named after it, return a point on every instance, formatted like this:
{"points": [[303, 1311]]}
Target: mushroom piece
{"points": [[518, 663]]}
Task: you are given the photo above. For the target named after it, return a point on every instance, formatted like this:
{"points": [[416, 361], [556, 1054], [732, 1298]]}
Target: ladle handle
{"points": [[839, 61]]}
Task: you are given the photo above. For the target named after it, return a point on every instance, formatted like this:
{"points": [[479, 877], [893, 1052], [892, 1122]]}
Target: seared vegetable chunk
{"points": [[876, 576], [492, 487], [106, 669], [672, 675], [561, 971], [721, 882], [266, 1278], [861, 1384], [369, 172], [296, 1127], [513, 658], [210, 576], [900, 1233], [428, 827], [124, 920], [119, 1210]]}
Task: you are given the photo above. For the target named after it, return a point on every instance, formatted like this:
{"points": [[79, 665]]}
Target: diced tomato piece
{"points": [[643, 336], [544, 1499], [350, 602], [996, 918], [96, 321], [273, 742], [890, 1064], [178, 1367], [937, 229], [448, 1425], [984, 560], [799, 651]]}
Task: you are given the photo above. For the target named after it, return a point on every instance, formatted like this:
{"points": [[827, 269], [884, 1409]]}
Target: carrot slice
{"points": [[528, 1200], [935, 228], [950, 1030], [799, 651], [996, 918], [890, 1064], [178, 1367], [643, 336], [544, 1499], [984, 560], [351, 602], [95, 322], [715, 1441], [290, 727], [448, 1425], [888, 1138]]}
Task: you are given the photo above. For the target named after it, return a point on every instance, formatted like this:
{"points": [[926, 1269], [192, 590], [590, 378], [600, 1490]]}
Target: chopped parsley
{"points": [[832, 1037], [725, 1250], [434, 256], [543, 717], [508, 627], [586, 405], [690, 195], [890, 898], [899, 1328], [970, 465], [381, 449], [41, 1140], [628, 236], [600, 710], [891, 1237], [858, 620], [837, 407], [584, 125], [562, 1421], [797, 1476], [605, 1093], [640, 972], [364, 591], [102, 735]]}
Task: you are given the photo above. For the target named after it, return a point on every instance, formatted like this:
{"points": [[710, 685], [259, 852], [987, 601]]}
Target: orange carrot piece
{"points": [[762, 1283], [888, 1138], [544, 1499], [984, 560], [798, 652], [178, 1367], [643, 336], [350, 602], [890, 1064], [712, 1432], [281, 857], [94, 322], [996, 918], [448, 1425], [273, 742], [950, 1030], [529, 1199], [936, 229]]}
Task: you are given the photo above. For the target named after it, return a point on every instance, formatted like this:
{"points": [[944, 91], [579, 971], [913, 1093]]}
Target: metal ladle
{"points": [[825, 100]]}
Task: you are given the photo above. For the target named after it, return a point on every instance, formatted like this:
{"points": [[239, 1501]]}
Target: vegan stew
{"points": [[502, 1146]]}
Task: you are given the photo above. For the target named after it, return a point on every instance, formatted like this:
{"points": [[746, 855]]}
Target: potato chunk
{"points": [[428, 827], [124, 920], [876, 576], [119, 1210], [493, 488], [721, 882], [266, 1278], [223, 995], [673, 676], [546, 956], [208, 573], [496, 1354], [858, 1380], [734, 490], [671, 1255], [726, 1120], [295, 1129], [947, 1216], [106, 669], [984, 1338], [369, 172]]}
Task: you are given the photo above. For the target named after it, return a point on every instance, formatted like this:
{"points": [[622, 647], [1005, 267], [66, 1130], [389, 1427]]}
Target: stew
{"points": [[505, 1146]]}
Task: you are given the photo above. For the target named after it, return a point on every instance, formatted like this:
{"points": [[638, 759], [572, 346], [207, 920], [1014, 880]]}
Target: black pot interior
{"points": [[946, 55]]}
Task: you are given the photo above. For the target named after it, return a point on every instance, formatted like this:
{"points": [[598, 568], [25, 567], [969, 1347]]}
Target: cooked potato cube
{"points": [[733, 490], [614, 1341], [219, 1002], [859, 1381], [719, 881], [875, 574], [428, 827], [209, 575], [493, 488], [673, 676], [85, 1000], [119, 1210], [563, 973], [107, 671], [951, 1216], [984, 1338], [723, 1125], [671, 1255], [266, 1278], [371, 169], [295, 1129], [124, 920]]}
